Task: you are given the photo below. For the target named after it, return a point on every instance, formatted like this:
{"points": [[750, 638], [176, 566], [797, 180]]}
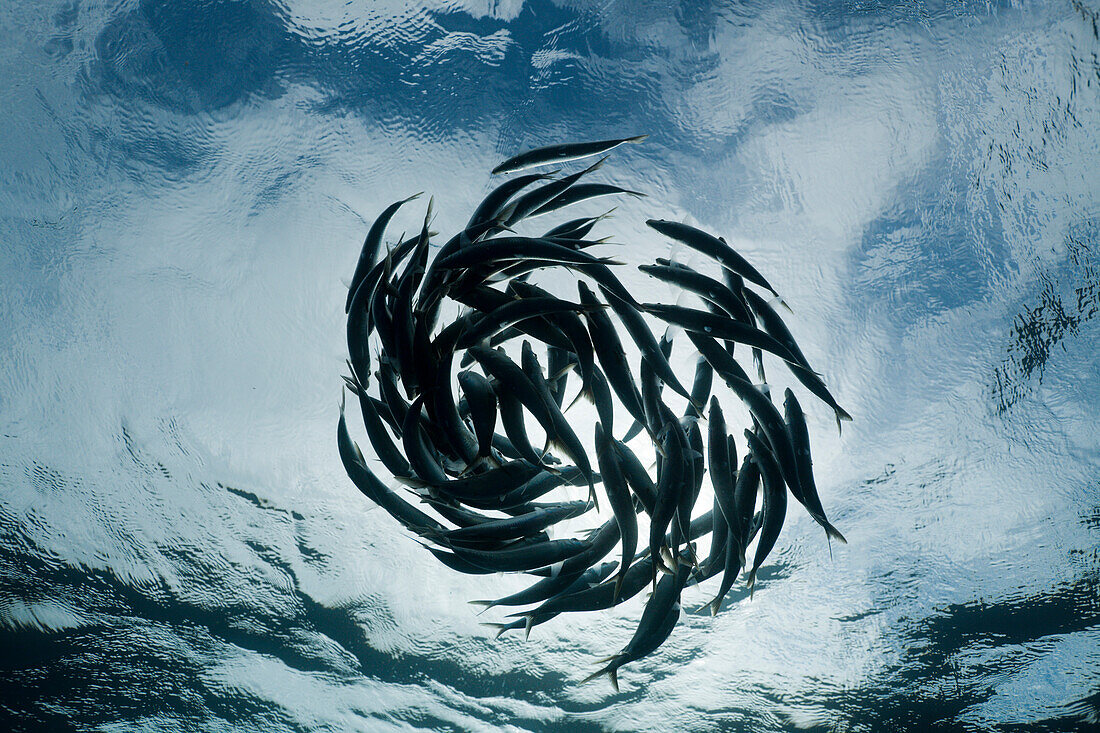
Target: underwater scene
{"points": [[463, 365]]}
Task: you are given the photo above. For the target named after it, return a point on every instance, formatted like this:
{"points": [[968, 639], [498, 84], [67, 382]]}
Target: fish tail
{"points": [[585, 392], [841, 414], [833, 532], [500, 628], [528, 623], [609, 261], [778, 300], [632, 432], [489, 604], [611, 670], [751, 582], [619, 584]]}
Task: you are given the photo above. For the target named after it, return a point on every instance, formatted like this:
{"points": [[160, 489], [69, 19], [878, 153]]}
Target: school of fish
{"points": [[450, 341]]}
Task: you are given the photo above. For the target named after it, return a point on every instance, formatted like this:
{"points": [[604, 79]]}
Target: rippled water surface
{"points": [[186, 186]]}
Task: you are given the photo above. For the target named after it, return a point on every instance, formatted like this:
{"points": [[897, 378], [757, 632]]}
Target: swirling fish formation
{"points": [[474, 494]]}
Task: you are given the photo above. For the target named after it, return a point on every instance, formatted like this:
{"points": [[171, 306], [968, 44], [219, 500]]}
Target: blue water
{"points": [[185, 189]]}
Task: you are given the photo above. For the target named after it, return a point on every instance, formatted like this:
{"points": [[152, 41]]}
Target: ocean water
{"points": [[186, 186]]}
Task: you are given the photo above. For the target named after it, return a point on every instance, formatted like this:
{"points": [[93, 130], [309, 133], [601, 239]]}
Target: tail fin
{"points": [[501, 628], [841, 414], [611, 670]]}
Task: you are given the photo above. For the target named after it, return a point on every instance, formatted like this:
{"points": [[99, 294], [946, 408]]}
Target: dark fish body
{"points": [[421, 457], [574, 228], [489, 485], [800, 441], [722, 327], [371, 245], [483, 409], [522, 525], [701, 387], [636, 476], [558, 363], [380, 439], [560, 584], [516, 248], [709, 289], [722, 476], [744, 502], [618, 495], [713, 247], [374, 489], [647, 344], [530, 203], [512, 419], [760, 406], [582, 192], [609, 350], [775, 505], [492, 204], [524, 558], [560, 154], [671, 482], [661, 613]]}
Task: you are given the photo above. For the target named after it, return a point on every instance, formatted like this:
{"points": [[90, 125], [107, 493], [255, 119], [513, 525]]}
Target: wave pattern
{"points": [[187, 182]]}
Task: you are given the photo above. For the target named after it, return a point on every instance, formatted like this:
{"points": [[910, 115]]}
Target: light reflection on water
{"points": [[188, 184]]}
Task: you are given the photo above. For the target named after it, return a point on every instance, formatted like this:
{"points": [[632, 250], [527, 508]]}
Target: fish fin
{"points": [[354, 387], [834, 533], [610, 670], [633, 432], [568, 368], [501, 628], [413, 483], [585, 392], [751, 582], [841, 414], [609, 261], [488, 604], [527, 627]]}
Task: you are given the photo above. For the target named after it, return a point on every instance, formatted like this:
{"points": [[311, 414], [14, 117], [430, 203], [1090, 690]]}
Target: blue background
{"points": [[185, 189]]}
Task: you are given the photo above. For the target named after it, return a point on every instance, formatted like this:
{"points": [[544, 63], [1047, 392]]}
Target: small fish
{"points": [[505, 249], [371, 245], [483, 410], [713, 247], [492, 204], [610, 352], [647, 344], [582, 192], [561, 154], [530, 557], [661, 613], [800, 441], [720, 327], [375, 490], [775, 503], [618, 495]]}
